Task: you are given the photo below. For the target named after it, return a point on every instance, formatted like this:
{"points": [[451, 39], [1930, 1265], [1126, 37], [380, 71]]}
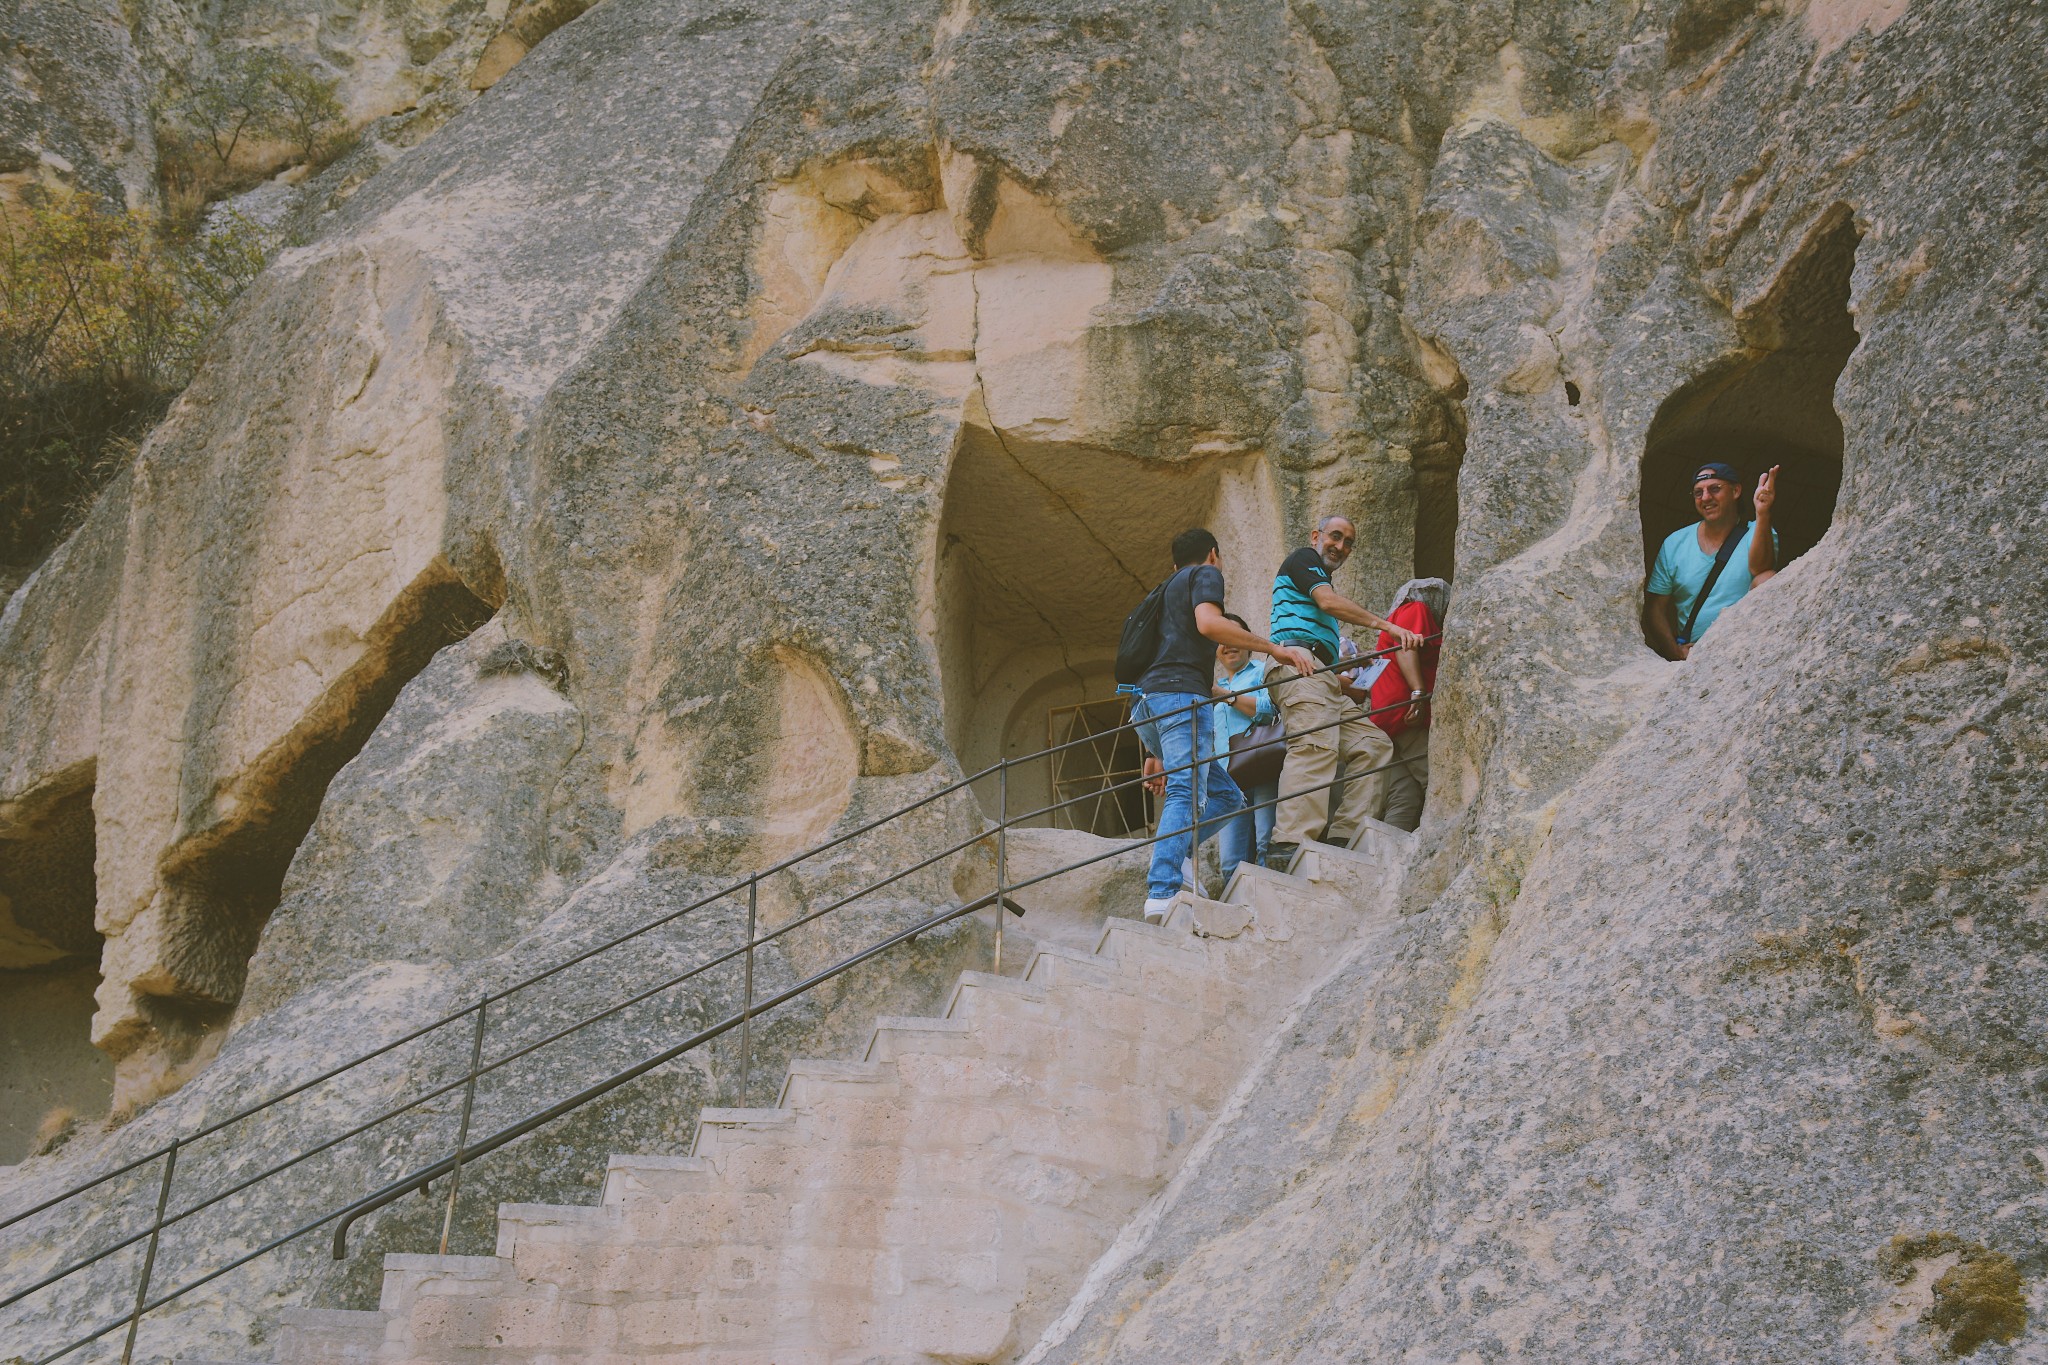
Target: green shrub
{"points": [[102, 319], [254, 99]]}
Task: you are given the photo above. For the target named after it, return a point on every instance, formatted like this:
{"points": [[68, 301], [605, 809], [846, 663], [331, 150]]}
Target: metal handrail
{"points": [[467, 1151], [733, 888], [421, 1178]]}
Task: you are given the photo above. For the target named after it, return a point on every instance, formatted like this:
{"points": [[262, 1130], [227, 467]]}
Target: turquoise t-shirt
{"points": [[1682, 569]]}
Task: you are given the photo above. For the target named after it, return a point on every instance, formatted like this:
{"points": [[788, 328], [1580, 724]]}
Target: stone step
{"points": [[329, 1336], [720, 1216], [1182, 979], [1366, 879], [719, 1128], [1053, 963], [977, 991], [655, 1177], [1134, 937], [1206, 918], [409, 1277], [534, 1223], [1262, 885], [810, 1080], [1292, 922], [1379, 836], [898, 1035]]}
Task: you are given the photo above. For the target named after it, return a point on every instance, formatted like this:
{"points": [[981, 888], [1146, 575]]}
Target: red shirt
{"points": [[1390, 689]]}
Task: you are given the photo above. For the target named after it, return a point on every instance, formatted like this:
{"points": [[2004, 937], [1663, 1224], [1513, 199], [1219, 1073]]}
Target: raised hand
{"points": [[1766, 492]]}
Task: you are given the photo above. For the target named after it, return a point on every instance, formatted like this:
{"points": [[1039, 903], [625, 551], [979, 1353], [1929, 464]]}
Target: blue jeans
{"points": [[1250, 831], [1172, 740]]}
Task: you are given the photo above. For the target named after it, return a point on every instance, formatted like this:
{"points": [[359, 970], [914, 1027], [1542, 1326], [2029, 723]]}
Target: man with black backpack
{"points": [[1169, 652], [1710, 565]]}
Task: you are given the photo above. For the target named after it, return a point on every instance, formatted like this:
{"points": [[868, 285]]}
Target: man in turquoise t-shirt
{"points": [[1687, 559]]}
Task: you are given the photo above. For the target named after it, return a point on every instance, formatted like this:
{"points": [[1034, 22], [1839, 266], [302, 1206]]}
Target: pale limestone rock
{"points": [[825, 483]]}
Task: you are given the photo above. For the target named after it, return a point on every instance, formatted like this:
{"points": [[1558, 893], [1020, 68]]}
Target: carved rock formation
{"points": [[802, 393]]}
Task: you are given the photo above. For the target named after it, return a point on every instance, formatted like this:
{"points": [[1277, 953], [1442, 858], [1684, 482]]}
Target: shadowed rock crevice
{"points": [[221, 885], [1437, 463], [1770, 404]]}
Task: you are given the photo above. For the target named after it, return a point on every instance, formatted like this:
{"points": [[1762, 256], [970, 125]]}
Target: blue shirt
{"points": [[1231, 721], [1296, 617], [1682, 569]]}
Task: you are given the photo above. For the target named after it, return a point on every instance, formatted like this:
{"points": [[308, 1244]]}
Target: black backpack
{"points": [[1138, 648]]}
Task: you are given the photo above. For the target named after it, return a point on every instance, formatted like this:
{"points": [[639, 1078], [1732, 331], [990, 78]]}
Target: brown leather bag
{"points": [[1257, 754]]}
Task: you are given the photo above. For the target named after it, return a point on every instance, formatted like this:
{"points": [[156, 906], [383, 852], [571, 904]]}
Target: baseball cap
{"points": [[1714, 469]]}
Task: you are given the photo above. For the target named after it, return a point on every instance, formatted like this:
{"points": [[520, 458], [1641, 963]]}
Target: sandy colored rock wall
{"points": [[1714, 997], [737, 423]]}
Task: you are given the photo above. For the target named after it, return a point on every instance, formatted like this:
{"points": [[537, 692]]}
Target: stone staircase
{"points": [[937, 1200]]}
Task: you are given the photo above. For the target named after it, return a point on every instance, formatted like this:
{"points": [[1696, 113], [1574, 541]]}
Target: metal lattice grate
{"points": [[1112, 754]]}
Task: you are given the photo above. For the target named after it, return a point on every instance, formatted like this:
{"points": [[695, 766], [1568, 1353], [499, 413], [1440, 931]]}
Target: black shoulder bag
{"points": [[1721, 558], [1138, 648]]}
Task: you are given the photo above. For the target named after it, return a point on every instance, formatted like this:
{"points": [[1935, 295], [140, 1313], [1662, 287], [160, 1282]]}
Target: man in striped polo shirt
{"points": [[1327, 732]]}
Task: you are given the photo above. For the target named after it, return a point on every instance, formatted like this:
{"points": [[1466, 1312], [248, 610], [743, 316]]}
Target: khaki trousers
{"points": [[1317, 751]]}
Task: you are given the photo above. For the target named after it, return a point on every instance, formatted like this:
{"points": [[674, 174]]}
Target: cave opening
{"points": [[1043, 549], [51, 1075], [1437, 460], [1772, 403], [221, 885]]}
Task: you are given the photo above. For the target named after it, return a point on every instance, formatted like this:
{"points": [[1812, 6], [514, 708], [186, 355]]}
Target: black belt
{"points": [[1309, 643]]}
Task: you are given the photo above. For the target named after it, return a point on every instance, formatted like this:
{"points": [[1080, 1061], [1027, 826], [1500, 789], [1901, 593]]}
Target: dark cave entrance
{"points": [[1772, 403], [51, 1075], [1042, 549], [1437, 462]]}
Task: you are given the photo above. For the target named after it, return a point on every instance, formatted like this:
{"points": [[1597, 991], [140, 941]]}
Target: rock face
{"points": [[740, 421], [74, 103]]}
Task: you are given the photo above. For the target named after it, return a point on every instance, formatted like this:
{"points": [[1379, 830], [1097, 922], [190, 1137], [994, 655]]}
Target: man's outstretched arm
{"points": [[1210, 620], [1344, 609]]}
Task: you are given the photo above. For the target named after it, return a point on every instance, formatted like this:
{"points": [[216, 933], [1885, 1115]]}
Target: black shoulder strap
{"points": [[1726, 553]]}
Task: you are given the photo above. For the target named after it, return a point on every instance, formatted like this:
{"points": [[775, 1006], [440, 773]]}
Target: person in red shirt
{"points": [[1420, 607]]}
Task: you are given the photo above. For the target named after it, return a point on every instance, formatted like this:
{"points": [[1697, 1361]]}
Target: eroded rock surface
{"points": [[1718, 976], [739, 421]]}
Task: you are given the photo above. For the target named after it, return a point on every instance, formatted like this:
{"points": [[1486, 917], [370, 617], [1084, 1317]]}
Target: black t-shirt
{"points": [[1186, 661]]}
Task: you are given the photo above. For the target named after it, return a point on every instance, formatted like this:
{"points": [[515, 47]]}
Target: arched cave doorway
{"points": [[1770, 404], [1043, 549], [50, 1073]]}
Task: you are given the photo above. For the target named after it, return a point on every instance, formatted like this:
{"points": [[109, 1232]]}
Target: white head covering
{"points": [[1433, 593]]}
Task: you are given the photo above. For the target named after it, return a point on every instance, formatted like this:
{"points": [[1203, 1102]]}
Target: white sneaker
{"points": [[1156, 911]]}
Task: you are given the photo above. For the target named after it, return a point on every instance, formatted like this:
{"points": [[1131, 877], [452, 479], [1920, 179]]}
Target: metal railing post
{"points": [[747, 1008], [1201, 719], [163, 1199], [1002, 854], [476, 1057]]}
